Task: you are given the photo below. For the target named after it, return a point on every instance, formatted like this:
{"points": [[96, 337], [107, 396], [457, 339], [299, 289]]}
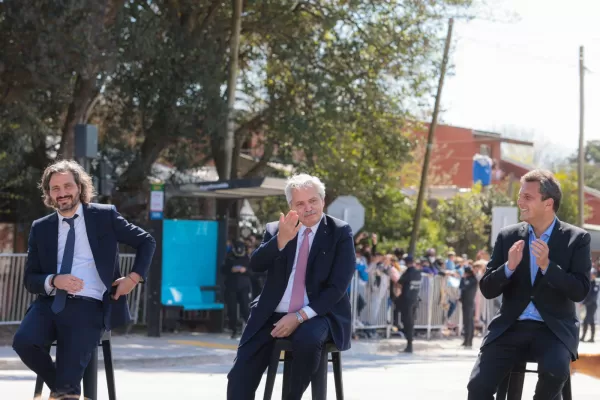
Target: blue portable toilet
{"points": [[482, 169]]}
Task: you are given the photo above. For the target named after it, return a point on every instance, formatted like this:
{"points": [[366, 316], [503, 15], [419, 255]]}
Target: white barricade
{"points": [[370, 302], [14, 298], [432, 313]]}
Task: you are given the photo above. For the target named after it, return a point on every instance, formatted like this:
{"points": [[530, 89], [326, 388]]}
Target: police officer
{"points": [[237, 284], [468, 291], [410, 282], [591, 305]]}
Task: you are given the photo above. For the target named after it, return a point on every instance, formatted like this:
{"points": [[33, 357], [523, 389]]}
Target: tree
{"points": [[568, 210], [591, 168], [463, 222], [325, 84]]}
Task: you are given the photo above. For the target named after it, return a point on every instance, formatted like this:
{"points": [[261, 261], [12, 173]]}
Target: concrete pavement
{"points": [[204, 348], [428, 375]]}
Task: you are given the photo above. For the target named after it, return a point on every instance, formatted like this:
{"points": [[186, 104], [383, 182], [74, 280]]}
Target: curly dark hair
{"points": [[82, 179]]}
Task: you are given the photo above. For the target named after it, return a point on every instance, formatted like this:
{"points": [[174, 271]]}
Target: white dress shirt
{"points": [[84, 266], [284, 304]]}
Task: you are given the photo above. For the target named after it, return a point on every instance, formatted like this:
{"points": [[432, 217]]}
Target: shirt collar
{"points": [[312, 228], [547, 232], [79, 213]]}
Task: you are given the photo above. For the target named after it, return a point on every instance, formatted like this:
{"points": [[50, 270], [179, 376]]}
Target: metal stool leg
{"points": [[271, 373], [39, 387], [336, 360], [515, 387], [287, 374], [503, 388], [108, 369], [90, 378], [318, 383]]}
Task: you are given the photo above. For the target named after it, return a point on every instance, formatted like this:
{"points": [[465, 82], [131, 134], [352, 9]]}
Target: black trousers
{"points": [[590, 312], [522, 339], [468, 311], [408, 313], [253, 358], [233, 298], [77, 330]]}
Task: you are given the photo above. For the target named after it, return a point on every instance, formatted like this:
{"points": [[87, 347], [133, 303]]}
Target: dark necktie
{"points": [[67, 263]]}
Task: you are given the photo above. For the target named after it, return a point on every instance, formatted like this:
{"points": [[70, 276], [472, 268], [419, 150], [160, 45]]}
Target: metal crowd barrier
{"points": [[432, 312], [377, 307], [14, 298], [376, 311]]}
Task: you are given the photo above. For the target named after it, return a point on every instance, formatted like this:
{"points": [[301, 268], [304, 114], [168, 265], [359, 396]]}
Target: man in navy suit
{"points": [[541, 267], [73, 267], [309, 260]]}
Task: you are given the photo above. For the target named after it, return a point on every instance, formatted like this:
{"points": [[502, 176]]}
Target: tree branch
{"points": [[266, 157]]}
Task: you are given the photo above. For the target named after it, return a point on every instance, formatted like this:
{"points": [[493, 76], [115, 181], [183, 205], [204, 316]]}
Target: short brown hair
{"points": [[82, 179], [549, 185]]}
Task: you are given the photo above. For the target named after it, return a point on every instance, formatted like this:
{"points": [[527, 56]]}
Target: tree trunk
{"points": [[82, 94]]}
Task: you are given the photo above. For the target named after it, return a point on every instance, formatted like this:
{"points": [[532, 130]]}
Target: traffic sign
{"points": [[349, 209]]}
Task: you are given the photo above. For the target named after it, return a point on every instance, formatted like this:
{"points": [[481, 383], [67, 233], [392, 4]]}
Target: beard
{"points": [[71, 203]]}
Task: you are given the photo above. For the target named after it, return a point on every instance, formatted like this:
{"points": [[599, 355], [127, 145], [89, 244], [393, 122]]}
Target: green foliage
{"points": [[568, 210], [328, 85], [463, 222]]}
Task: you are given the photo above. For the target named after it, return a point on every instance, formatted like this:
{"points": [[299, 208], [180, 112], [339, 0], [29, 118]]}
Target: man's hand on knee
{"points": [[285, 326]]}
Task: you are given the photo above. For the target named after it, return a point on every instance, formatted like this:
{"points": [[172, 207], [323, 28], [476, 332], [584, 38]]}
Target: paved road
{"points": [[438, 374]]}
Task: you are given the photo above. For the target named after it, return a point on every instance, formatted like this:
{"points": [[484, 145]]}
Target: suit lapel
{"points": [[53, 243], [526, 261], [291, 254], [322, 240], [555, 237], [90, 226]]}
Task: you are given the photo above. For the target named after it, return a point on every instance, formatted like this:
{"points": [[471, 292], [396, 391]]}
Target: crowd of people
{"points": [[384, 274]]}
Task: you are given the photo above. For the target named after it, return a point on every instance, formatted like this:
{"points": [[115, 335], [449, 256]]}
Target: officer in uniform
{"points": [[237, 285], [410, 282], [468, 291], [591, 305]]}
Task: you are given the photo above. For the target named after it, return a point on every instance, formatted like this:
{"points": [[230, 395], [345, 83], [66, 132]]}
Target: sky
{"points": [[516, 72]]}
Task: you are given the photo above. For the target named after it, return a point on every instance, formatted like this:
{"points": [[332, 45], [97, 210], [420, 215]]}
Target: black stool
{"points": [[90, 376], [511, 387], [318, 382]]}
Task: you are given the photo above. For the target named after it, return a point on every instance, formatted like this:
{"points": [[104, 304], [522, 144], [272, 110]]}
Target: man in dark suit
{"points": [[72, 265], [541, 267], [309, 259]]}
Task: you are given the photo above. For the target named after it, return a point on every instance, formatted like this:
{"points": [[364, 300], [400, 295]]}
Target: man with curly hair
{"points": [[72, 265]]}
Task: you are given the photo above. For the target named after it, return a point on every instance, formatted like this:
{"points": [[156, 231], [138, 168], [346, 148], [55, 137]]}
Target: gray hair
{"points": [[549, 185], [302, 181]]}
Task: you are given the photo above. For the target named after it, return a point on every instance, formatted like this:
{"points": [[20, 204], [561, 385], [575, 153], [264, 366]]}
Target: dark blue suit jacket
{"points": [[331, 265], [554, 294], [106, 228]]}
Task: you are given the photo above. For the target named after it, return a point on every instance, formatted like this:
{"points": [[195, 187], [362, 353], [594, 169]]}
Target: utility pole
{"points": [[234, 49], [580, 163], [432, 126]]}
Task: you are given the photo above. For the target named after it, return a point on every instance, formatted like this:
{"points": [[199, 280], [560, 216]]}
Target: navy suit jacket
{"points": [[554, 294], [106, 228], [331, 265]]}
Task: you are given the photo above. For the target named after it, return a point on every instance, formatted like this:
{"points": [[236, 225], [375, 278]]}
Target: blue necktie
{"points": [[67, 263]]}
